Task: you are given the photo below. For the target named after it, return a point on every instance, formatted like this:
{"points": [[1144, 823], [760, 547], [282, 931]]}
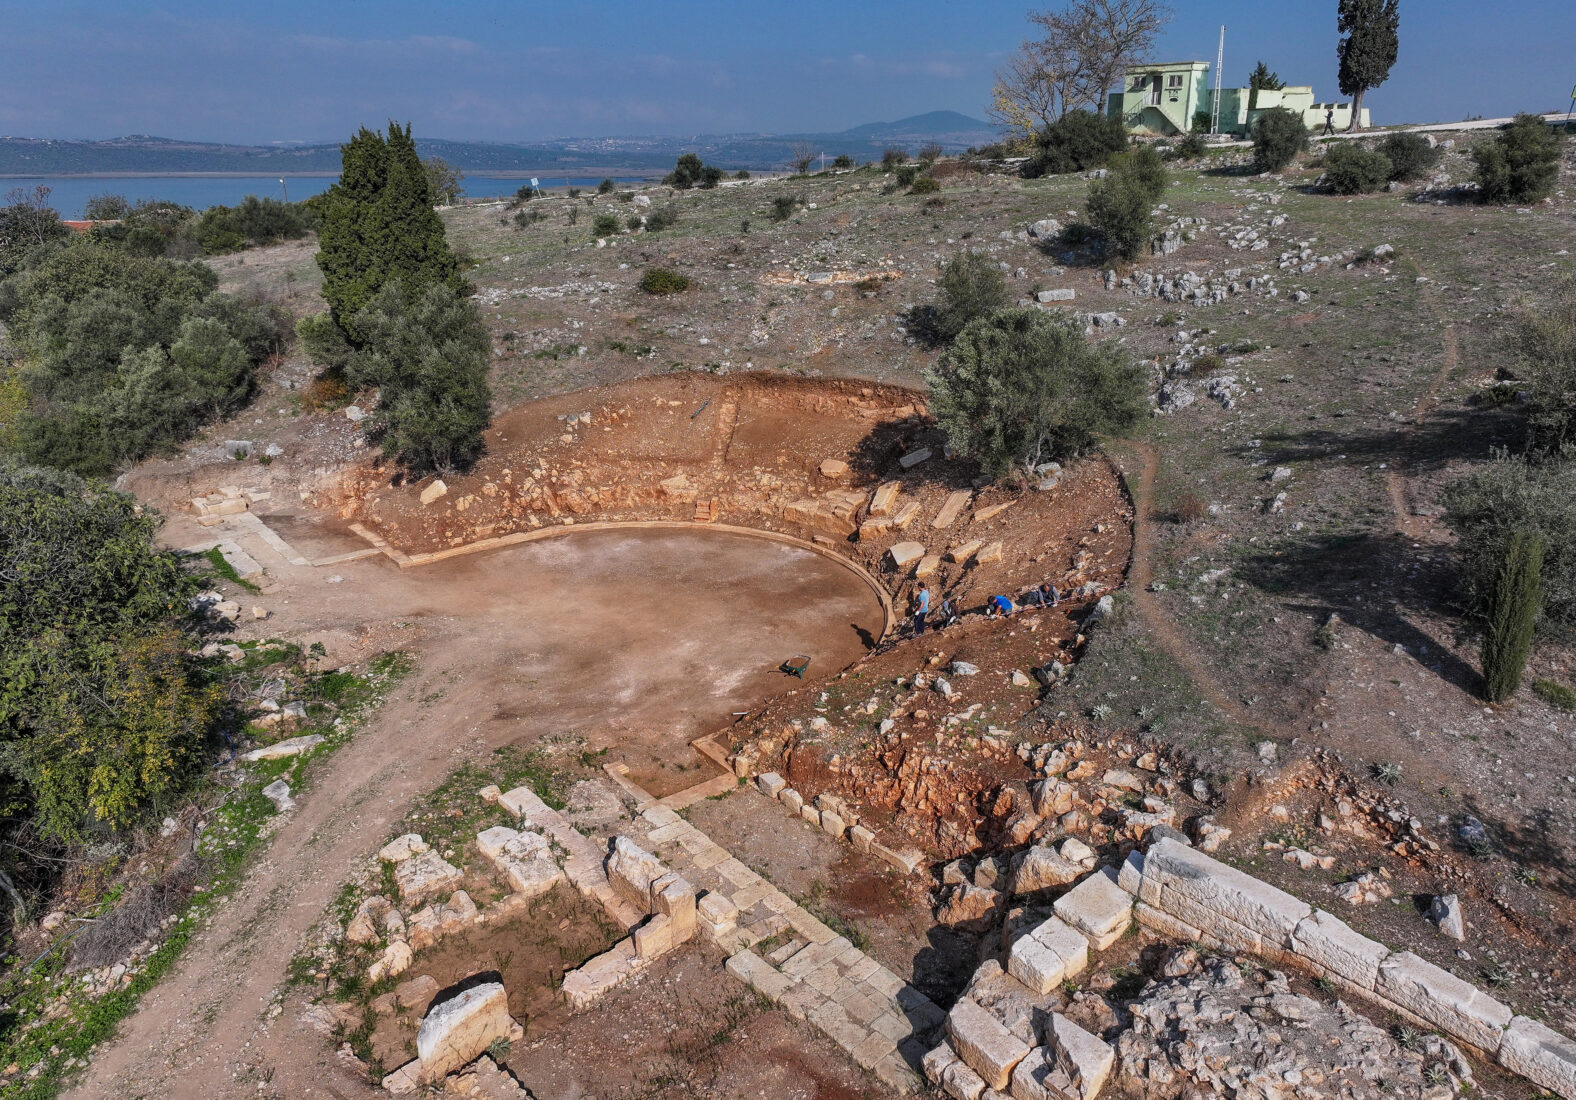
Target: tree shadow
{"points": [[1321, 575], [1540, 841], [1237, 171]]}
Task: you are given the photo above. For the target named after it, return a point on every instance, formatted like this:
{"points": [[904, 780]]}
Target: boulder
{"points": [[457, 1031], [1041, 868], [424, 877], [364, 925], [279, 749], [965, 904], [278, 792], [1444, 910], [905, 554], [834, 468], [402, 848], [395, 960], [433, 492]]}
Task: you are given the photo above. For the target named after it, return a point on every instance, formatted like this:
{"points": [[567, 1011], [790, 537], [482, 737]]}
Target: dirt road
{"points": [[634, 640]]}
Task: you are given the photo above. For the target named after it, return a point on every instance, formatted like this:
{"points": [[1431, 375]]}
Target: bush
{"points": [[1146, 167], [427, 351], [843, 160], [1489, 506], [1410, 155], [660, 280], [905, 175], [1278, 136], [1521, 164], [892, 157], [604, 225], [1078, 141], [1190, 509], [1512, 611], [1192, 146], [606, 187], [783, 207], [689, 172], [663, 217], [1022, 387], [742, 174], [1544, 343], [1555, 694], [634, 223], [925, 185], [1119, 205], [970, 286], [930, 152], [1351, 168]]}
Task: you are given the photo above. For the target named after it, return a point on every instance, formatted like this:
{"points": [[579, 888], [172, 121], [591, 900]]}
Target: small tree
{"points": [[1351, 168], [1146, 167], [930, 152], [604, 225], [1544, 341], [1368, 52], [970, 286], [1022, 387], [892, 157], [426, 350], [686, 172], [1278, 136], [1520, 164], [26, 222], [1262, 79], [1118, 207], [843, 160], [783, 207], [605, 187], [443, 180], [1513, 609], [1410, 155], [801, 154]]}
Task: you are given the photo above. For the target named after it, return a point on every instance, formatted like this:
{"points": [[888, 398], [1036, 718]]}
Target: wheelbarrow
{"points": [[795, 665]]}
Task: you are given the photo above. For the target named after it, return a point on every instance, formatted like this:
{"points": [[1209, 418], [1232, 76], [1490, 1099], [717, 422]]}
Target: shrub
{"points": [[634, 223], [1544, 343], [1520, 164], [604, 225], [742, 174], [1512, 611], [1410, 155], [905, 175], [606, 187], [843, 160], [427, 351], [1351, 168], [783, 207], [1119, 208], [1190, 509], [925, 185], [660, 280], [1278, 136], [1078, 141], [1489, 506], [574, 192], [1146, 167], [1022, 386], [1556, 695], [689, 172], [930, 152], [970, 286], [663, 217], [892, 157], [522, 195], [1192, 146]]}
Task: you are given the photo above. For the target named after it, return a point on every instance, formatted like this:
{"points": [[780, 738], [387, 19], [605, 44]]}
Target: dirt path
{"points": [[1395, 478], [634, 640]]}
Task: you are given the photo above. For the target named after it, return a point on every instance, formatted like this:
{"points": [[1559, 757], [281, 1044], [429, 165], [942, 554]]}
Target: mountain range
{"points": [[140, 154]]}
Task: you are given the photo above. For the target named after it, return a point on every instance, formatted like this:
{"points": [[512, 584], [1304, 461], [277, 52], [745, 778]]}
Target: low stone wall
{"points": [[1185, 894], [833, 816]]}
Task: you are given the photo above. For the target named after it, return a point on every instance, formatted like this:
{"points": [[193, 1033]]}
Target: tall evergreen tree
{"points": [[1368, 52], [1512, 613]]}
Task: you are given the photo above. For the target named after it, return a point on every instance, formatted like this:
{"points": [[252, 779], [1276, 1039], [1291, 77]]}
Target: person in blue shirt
{"points": [[999, 605], [921, 609]]}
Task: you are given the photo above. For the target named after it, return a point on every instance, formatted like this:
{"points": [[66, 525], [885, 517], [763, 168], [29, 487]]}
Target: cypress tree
{"points": [[1512, 613], [1368, 52]]}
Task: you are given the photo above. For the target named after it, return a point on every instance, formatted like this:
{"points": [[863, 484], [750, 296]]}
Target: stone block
{"points": [[905, 554], [884, 498], [1131, 873], [810, 814], [759, 975], [983, 1043], [962, 1083], [1098, 908], [1458, 1008], [914, 458], [424, 877], [1239, 897], [832, 824], [952, 508], [434, 491], [631, 870], [771, 784], [1330, 944], [861, 838], [717, 913], [906, 515], [457, 1031], [1041, 966], [523, 802], [596, 976], [1165, 924], [1540, 1054], [654, 937], [927, 565], [792, 799], [834, 468], [963, 551], [907, 860], [1040, 868], [673, 897], [1083, 1057], [990, 553], [937, 1061], [1038, 1077], [294, 746]]}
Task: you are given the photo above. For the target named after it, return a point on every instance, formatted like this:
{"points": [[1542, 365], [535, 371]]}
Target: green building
{"points": [[1162, 100]]}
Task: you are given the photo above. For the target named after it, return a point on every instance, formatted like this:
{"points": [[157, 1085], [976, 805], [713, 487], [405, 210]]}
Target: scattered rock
{"points": [[1445, 911]]}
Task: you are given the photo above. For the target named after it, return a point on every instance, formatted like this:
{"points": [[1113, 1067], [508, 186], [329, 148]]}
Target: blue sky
{"points": [[511, 70]]}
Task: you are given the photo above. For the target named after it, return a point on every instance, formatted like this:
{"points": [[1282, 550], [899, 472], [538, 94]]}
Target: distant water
{"points": [[70, 195]]}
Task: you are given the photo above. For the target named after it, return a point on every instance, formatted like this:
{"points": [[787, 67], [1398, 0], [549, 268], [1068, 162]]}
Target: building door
{"points": [[1154, 90]]}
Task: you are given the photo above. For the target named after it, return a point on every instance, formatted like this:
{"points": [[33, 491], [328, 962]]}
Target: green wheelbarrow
{"points": [[795, 665]]}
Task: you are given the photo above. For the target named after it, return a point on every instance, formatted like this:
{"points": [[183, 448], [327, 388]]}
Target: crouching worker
{"points": [[1046, 595], [999, 605]]}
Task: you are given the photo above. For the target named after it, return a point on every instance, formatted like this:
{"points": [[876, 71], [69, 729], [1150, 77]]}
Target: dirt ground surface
{"points": [[637, 641]]}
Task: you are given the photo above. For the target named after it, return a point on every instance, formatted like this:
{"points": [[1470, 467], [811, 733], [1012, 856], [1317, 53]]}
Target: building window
{"points": [[1174, 81]]}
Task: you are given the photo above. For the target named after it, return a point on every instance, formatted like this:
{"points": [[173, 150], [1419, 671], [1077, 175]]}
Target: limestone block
{"points": [[1540, 1054], [673, 897], [426, 926], [458, 1030], [492, 843], [935, 1063], [395, 960], [832, 823], [1131, 873], [963, 551], [861, 838], [952, 508], [717, 913], [533, 877], [791, 799], [1040, 868], [631, 870], [927, 565], [290, 747], [1165, 924], [759, 974], [907, 860], [905, 554], [433, 492], [1052, 797], [1328, 942], [990, 553], [834, 468], [425, 876], [981, 1041], [363, 926], [914, 458], [771, 784], [1459, 1009], [874, 528], [906, 515], [884, 498], [962, 1083], [1049, 955], [1241, 898], [600, 974], [1098, 908], [1083, 1057], [523, 802], [654, 937], [810, 814], [1038, 1077]]}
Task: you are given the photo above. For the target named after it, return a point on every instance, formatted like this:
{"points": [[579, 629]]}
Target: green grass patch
{"points": [[224, 569]]}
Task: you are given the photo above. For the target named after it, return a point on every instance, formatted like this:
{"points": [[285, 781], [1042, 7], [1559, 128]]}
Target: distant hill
{"points": [[142, 154]]}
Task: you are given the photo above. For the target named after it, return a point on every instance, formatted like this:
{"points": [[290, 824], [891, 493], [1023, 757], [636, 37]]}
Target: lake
{"points": [[69, 194]]}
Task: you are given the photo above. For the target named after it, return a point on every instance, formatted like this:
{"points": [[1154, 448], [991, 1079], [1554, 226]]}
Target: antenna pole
{"points": [[1220, 64]]}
